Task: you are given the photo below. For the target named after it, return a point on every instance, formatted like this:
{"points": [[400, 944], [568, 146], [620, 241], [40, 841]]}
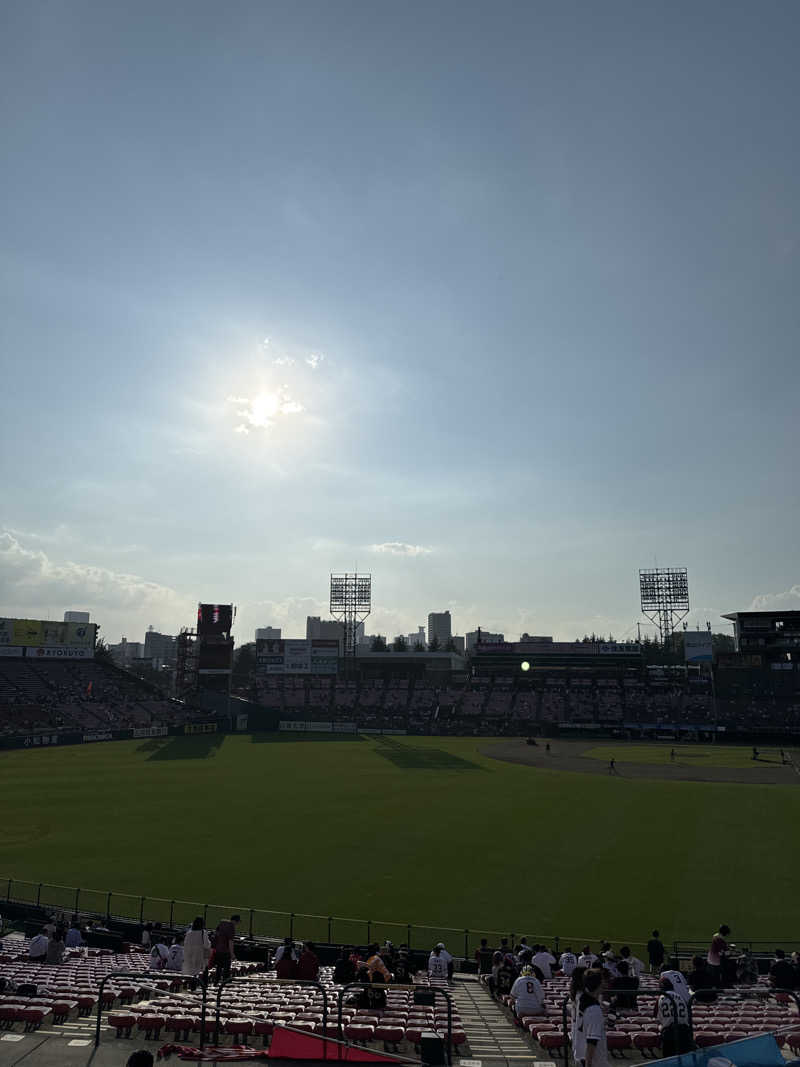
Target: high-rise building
{"points": [[439, 626], [161, 648], [325, 629], [76, 616], [418, 638], [458, 644], [268, 633], [485, 637]]}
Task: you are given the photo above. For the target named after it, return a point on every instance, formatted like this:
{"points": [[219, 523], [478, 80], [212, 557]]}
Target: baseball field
{"points": [[440, 832]]}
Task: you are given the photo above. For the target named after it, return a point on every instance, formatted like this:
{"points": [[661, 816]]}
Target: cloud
{"points": [[314, 360], [789, 600], [283, 361], [32, 585], [400, 548]]}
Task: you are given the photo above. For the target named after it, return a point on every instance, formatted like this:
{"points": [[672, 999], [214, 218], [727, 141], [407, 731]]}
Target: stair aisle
{"points": [[490, 1035]]}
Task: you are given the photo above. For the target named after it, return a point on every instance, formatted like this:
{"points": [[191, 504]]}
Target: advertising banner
{"points": [[760, 1051], [697, 646], [297, 657], [28, 632], [59, 652], [150, 731], [79, 634], [11, 650], [200, 728]]}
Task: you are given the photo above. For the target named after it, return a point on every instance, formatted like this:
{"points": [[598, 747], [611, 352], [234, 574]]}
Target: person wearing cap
{"points": [[448, 959], [528, 994]]}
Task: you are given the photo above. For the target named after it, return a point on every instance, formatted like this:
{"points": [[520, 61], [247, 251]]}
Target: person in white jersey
{"points": [[545, 961], [590, 1030], [587, 957], [528, 994], [678, 984], [437, 964], [568, 961], [635, 965]]}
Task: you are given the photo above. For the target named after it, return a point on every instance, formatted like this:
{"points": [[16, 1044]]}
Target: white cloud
{"points": [[33, 585], [283, 361], [400, 548], [314, 360], [788, 600]]}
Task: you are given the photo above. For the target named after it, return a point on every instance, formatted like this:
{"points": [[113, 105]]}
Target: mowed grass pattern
{"points": [[421, 830]]}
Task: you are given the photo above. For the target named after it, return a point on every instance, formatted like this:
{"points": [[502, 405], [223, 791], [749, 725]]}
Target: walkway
{"points": [[491, 1037]]}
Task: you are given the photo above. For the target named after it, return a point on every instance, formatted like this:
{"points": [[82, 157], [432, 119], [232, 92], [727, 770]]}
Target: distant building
{"points": [[160, 648], [126, 652], [485, 637], [76, 616], [458, 644], [439, 626], [418, 638], [326, 630], [268, 633]]}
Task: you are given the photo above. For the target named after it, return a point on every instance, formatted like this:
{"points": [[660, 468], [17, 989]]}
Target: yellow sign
{"points": [[28, 632]]}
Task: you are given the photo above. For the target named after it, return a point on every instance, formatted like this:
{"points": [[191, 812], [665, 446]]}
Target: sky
{"points": [[495, 301]]}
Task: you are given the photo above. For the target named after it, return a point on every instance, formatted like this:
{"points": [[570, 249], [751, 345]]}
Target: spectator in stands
{"points": [[55, 947], [147, 931], [437, 964], [677, 983], [483, 957], [403, 968], [700, 980], [308, 964], [50, 926], [575, 990], [746, 968], [225, 936], [672, 1012], [567, 961], [175, 954], [344, 970], [74, 938], [655, 952], [528, 994], [286, 967], [544, 959], [158, 953], [782, 973], [37, 950], [282, 950], [506, 976], [717, 952], [375, 963], [447, 958], [196, 948], [587, 958], [624, 985], [635, 965], [590, 1032]]}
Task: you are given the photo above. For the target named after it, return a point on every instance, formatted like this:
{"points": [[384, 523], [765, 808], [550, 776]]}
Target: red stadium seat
{"points": [[123, 1022]]}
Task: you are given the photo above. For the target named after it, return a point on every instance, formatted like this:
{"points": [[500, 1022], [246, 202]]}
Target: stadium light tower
{"points": [[351, 602], [664, 594]]}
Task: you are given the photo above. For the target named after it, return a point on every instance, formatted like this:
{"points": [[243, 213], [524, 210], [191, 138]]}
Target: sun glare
{"points": [[262, 411]]}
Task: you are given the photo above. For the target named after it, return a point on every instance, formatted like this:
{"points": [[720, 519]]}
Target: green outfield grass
{"points": [[424, 830], [687, 755]]}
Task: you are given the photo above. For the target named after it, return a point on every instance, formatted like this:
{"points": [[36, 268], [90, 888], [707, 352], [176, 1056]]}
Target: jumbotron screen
{"points": [[214, 619]]}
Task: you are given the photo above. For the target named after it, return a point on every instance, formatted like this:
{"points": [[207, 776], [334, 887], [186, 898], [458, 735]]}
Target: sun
{"points": [[263, 411]]}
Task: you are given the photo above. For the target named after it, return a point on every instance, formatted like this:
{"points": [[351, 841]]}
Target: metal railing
{"points": [[261, 923], [267, 924]]}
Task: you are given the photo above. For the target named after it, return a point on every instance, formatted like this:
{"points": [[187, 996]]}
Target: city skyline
{"points": [[497, 302]]}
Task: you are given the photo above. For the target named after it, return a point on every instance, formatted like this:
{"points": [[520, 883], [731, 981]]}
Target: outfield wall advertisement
{"points": [[314, 656]]}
